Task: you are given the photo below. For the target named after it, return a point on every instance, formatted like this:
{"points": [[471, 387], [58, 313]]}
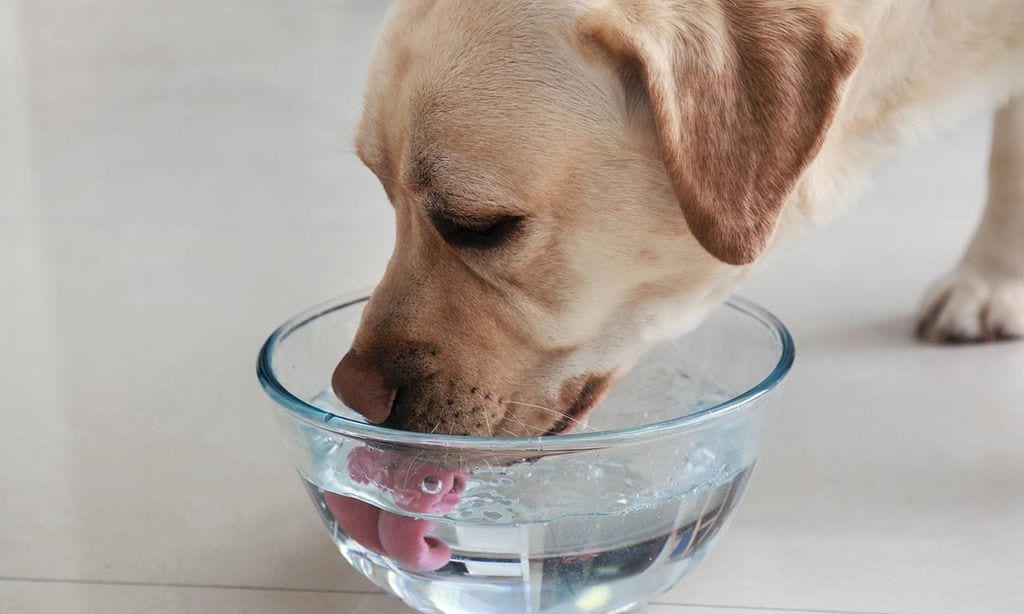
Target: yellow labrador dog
{"points": [[575, 180]]}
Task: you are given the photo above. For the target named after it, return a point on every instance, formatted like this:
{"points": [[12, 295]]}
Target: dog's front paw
{"points": [[969, 306]]}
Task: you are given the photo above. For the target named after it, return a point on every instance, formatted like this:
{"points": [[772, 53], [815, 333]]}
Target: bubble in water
{"points": [[431, 485]]}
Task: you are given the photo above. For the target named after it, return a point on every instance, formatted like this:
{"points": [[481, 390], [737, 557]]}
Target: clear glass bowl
{"points": [[594, 521]]}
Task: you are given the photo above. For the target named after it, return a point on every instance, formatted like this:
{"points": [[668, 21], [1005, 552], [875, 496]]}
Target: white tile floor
{"points": [[175, 179]]}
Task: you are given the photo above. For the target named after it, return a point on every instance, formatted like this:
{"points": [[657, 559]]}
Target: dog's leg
{"points": [[983, 298]]}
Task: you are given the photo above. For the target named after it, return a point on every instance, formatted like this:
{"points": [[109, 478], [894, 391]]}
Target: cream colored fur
{"points": [[517, 115]]}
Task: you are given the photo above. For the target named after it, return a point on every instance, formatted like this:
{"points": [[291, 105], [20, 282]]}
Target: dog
{"points": [[575, 181]]}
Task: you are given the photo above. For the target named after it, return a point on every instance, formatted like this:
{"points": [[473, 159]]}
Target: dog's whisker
{"points": [[490, 468], [514, 420], [541, 407], [560, 414]]}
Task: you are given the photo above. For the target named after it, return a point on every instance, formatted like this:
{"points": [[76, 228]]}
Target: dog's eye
{"points": [[476, 234]]}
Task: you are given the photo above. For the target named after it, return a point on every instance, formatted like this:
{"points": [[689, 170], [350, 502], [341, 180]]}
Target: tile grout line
{"points": [[239, 587], [284, 589], [766, 608]]}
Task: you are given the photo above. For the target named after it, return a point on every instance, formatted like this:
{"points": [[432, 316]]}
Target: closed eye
{"points": [[467, 233]]}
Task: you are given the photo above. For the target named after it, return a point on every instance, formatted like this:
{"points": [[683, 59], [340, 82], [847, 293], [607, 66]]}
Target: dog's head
{"points": [[572, 181]]}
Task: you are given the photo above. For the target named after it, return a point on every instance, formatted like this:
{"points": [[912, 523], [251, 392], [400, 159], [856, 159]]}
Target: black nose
{"points": [[359, 384]]}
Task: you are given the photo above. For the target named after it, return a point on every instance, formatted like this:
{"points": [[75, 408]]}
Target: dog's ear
{"points": [[741, 93]]}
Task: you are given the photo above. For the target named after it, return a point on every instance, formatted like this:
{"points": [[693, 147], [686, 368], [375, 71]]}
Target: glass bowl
{"points": [[600, 520]]}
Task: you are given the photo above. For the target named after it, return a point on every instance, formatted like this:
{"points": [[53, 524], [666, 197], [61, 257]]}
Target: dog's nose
{"points": [[359, 384]]}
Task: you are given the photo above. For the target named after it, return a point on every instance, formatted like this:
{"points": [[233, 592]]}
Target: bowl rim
{"points": [[340, 425]]}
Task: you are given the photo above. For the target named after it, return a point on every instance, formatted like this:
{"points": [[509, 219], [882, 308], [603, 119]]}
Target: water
{"points": [[577, 564], [599, 531]]}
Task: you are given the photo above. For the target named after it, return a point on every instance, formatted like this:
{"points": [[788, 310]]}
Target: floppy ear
{"points": [[741, 93]]}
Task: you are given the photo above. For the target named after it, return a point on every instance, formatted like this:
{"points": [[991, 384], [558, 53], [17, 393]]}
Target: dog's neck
{"points": [[927, 65]]}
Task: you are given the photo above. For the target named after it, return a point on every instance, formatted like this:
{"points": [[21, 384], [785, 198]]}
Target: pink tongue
{"points": [[417, 488], [405, 540], [357, 519], [400, 538]]}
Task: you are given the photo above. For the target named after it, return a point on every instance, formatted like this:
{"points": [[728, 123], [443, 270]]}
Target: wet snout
{"points": [[412, 387], [422, 393], [361, 385]]}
